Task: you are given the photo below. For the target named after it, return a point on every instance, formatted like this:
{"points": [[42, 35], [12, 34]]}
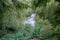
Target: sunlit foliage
{"points": [[13, 14]]}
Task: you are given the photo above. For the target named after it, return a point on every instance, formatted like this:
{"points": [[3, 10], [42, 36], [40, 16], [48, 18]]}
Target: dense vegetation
{"points": [[14, 12]]}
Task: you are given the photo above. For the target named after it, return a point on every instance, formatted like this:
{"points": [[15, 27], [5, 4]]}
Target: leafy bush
{"points": [[43, 29], [24, 34]]}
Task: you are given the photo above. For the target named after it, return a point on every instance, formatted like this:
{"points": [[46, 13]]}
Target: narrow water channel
{"points": [[31, 20]]}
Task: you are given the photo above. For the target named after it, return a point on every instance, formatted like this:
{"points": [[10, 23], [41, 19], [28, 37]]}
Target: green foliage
{"points": [[57, 0], [24, 34], [11, 14], [37, 3], [50, 12], [43, 29], [14, 12]]}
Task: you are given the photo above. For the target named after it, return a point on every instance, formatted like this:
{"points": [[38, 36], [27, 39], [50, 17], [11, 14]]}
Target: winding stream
{"points": [[31, 20]]}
